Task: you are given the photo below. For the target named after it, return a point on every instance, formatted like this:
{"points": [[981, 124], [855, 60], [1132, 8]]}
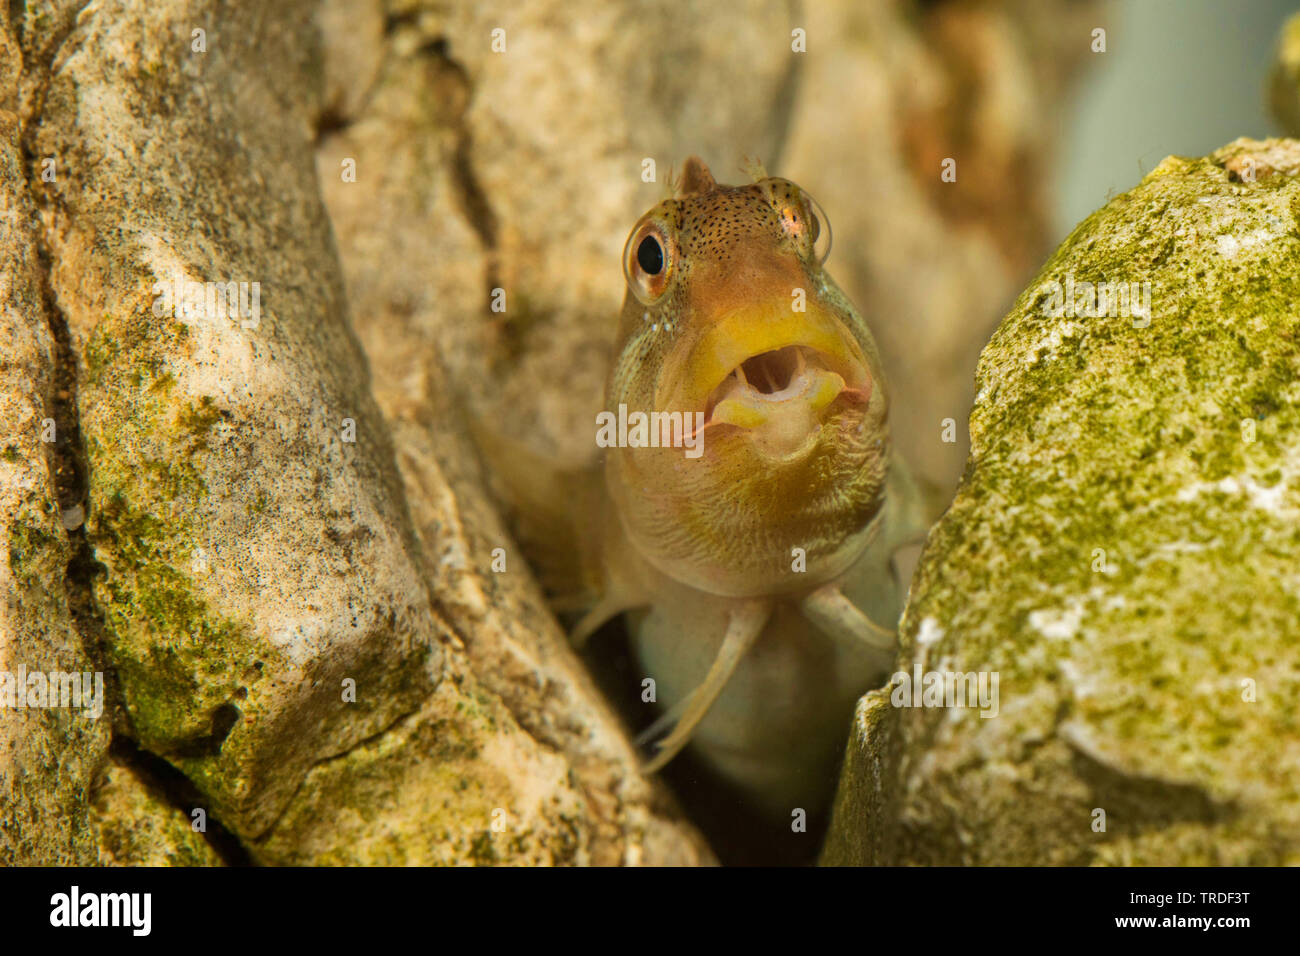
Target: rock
{"points": [[134, 826], [443, 787], [255, 557], [1122, 553], [275, 624], [48, 754]]}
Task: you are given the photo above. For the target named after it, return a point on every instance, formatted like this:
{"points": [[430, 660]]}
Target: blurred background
{"points": [[1179, 76]]}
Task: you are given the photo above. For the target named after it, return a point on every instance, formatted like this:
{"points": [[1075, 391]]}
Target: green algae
{"points": [[146, 484], [1111, 434]]}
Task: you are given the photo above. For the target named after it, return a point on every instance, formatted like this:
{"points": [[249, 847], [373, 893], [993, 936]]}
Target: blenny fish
{"points": [[756, 549]]}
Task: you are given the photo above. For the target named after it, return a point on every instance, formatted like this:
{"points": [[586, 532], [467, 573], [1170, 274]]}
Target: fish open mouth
{"points": [[779, 397], [765, 386], [770, 371]]}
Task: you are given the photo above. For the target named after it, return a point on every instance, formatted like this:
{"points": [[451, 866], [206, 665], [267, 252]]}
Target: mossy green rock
{"points": [[441, 787], [291, 609], [255, 546], [1124, 552]]}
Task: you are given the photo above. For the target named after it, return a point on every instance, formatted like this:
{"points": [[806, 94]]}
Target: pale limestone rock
{"points": [[48, 756], [135, 826], [1122, 552], [255, 558]]}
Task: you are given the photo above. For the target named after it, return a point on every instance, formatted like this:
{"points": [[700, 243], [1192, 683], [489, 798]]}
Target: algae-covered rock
{"points": [[460, 783], [272, 619], [135, 826], [255, 546], [1123, 554], [48, 754]]}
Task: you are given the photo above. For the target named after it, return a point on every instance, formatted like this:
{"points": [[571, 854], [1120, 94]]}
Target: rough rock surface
{"points": [[260, 575], [135, 826], [275, 506], [48, 757], [1123, 552], [253, 558]]}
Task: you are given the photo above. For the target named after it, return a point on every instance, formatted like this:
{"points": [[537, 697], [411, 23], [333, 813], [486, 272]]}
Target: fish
{"points": [[751, 520]]}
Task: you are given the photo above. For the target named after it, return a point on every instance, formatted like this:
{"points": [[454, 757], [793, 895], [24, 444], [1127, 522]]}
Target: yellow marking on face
{"points": [[732, 411], [700, 365]]}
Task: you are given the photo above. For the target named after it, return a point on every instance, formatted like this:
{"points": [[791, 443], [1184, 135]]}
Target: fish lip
{"points": [[811, 382], [698, 368]]}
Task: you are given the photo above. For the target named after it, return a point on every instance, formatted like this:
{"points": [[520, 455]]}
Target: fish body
{"points": [[777, 729], [755, 549]]}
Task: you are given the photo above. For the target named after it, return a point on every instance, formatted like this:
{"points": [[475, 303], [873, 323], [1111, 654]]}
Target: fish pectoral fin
{"points": [[662, 723], [837, 616], [744, 624]]}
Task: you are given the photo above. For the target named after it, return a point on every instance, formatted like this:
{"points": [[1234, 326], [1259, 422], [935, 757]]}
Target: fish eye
{"points": [[648, 261], [801, 217], [807, 219], [650, 256], [819, 230]]}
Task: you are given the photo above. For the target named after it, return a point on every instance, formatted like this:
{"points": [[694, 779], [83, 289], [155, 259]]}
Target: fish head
{"points": [[732, 323]]}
